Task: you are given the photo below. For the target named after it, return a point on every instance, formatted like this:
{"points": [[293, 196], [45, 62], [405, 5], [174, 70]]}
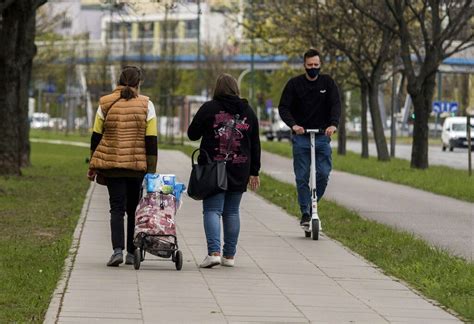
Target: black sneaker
{"points": [[130, 258], [115, 260], [305, 219]]}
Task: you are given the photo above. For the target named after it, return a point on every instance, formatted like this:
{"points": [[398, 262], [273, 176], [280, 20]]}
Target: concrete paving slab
{"points": [[279, 275]]}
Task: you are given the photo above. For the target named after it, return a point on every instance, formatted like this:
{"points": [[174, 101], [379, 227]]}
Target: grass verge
{"points": [[437, 275], [38, 215], [437, 179]]}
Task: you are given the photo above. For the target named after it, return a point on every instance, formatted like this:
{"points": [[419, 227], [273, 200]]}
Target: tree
{"points": [[17, 35], [289, 28], [369, 49], [429, 32]]}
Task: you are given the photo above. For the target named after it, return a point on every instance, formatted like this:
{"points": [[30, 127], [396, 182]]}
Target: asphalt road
{"points": [[456, 159]]}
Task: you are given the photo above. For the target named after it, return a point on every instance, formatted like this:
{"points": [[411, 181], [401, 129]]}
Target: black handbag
{"points": [[208, 179]]}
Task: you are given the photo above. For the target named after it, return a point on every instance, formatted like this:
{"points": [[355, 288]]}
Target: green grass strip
{"points": [[38, 215], [437, 275], [436, 179]]}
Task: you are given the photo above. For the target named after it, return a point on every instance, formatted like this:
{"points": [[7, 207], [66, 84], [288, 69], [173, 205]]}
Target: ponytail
{"points": [[128, 93]]}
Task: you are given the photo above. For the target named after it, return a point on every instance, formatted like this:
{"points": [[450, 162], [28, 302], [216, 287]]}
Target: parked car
{"points": [[40, 120], [454, 133], [277, 129]]}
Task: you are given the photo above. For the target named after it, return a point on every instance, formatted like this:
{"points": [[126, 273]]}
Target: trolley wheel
{"points": [[315, 229], [307, 234], [178, 260], [137, 258]]}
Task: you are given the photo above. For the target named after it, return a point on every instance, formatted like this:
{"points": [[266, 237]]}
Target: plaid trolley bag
{"points": [[155, 228]]}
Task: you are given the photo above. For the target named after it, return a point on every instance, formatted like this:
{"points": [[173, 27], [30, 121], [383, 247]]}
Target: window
{"points": [[66, 22], [145, 30], [459, 127], [120, 30], [191, 29]]}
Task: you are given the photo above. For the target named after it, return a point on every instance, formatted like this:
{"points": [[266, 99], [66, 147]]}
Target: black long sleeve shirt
{"points": [[310, 104], [213, 122]]}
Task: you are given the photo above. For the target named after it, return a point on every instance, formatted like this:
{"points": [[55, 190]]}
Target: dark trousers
{"points": [[124, 194]]}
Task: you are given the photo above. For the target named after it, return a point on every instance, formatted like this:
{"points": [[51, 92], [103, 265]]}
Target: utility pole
{"points": [[198, 62], [252, 57], [393, 123]]}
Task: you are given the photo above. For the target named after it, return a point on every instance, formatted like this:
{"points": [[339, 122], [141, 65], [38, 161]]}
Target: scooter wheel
{"points": [[307, 234], [315, 229]]}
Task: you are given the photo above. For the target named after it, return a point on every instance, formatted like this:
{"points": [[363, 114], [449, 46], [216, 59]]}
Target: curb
{"points": [[61, 142], [55, 304]]}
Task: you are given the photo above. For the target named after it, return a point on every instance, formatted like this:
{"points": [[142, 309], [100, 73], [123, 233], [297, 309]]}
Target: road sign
{"points": [[445, 106], [269, 103]]}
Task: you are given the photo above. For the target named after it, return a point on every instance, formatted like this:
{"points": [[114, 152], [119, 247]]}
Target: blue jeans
{"points": [[227, 205], [302, 165]]}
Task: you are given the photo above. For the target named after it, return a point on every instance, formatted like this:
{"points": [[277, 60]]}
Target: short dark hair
{"points": [[310, 53], [226, 85]]}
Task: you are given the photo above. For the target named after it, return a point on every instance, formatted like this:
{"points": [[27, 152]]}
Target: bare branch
{"points": [[39, 3], [465, 13], [373, 17], [468, 43], [404, 34], [420, 16]]}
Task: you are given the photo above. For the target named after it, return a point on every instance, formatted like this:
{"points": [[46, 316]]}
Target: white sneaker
{"points": [[227, 262], [210, 261]]}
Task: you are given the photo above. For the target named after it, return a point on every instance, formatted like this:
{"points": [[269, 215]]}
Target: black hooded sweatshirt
{"points": [[227, 124]]}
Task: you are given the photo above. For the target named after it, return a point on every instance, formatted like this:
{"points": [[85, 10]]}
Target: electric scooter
{"points": [[315, 224]]}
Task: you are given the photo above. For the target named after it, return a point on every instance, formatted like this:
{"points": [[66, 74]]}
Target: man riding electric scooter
{"points": [[311, 101]]}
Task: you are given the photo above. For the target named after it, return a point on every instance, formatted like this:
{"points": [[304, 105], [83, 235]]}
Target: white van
{"points": [[454, 133]]}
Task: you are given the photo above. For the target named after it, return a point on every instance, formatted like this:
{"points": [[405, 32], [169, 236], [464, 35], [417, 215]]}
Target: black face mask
{"points": [[313, 72]]}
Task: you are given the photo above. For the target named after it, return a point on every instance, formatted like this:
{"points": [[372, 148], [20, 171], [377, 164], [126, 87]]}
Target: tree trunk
{"points": [[422, 106], [363, 119], [28, 30], [9, 86], [23, 122], [17, 35], [341, 130], [377, 126]]}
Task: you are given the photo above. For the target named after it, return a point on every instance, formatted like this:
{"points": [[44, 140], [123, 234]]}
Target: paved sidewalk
{"points": [[279, 276], [444, 222]]}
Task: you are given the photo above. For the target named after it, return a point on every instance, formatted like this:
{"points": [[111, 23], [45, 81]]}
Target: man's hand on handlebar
{"points": [[298, 130]]}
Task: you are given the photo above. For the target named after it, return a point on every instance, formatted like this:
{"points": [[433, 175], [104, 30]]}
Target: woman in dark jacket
{"points": [[229, 130]]}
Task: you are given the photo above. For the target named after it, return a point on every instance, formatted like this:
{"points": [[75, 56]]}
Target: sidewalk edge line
{"points": [[58, 295]]}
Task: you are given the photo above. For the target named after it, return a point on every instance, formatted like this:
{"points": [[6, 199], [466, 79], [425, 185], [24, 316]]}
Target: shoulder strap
{"points": [[113, 103]]}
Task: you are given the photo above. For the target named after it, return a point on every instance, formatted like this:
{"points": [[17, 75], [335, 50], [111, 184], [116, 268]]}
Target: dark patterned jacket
{"points": [[228, 127]]}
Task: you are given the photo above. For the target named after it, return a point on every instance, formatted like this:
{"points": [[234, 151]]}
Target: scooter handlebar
{"points": [[317, 131]]}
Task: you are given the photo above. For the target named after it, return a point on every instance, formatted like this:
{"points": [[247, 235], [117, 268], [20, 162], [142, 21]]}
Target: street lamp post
{"points": [[240, 78], [198, 62], [469, 113]]}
